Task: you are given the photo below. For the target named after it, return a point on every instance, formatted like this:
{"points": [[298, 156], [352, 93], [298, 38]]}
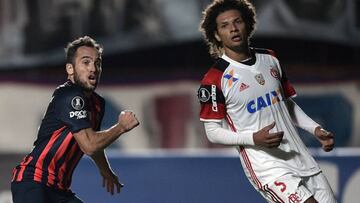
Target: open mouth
{"points": [[236, 38], [92, 79]]}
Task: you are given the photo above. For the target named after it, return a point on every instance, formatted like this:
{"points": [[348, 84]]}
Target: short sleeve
{"points": [[288, 88], [211, 97], [71, 107]]}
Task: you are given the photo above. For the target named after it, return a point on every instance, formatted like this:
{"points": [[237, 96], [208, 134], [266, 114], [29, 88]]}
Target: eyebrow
{"points": [[86, 57], [230, 20]]}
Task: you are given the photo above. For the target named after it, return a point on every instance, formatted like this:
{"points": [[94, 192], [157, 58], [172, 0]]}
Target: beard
{"points": [[87, 87]]}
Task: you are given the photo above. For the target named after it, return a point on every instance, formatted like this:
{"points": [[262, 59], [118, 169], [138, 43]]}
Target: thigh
{"points": [[60, 196], [28, 192], [74, 199], [321, 188], [287, 188]]}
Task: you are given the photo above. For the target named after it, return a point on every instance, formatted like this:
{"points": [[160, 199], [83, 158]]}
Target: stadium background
{"points": [[154, 59]]}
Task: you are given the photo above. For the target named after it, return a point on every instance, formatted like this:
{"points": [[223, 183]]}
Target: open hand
{"points": [[111, 182], [266, 139], [325, 138]]}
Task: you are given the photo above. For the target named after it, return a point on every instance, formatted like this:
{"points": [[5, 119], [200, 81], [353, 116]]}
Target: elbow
{"points": [[211, 138], [89, 150]]}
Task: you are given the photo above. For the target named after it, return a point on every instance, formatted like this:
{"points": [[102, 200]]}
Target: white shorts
{"points": [[295, 189]]}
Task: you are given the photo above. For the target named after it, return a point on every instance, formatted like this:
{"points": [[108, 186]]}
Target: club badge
{"points": [[260, 79], [275, 73]]}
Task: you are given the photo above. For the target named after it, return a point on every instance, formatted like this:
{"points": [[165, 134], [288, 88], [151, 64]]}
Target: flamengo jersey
{"points": [[56, 152], [250, 96]]}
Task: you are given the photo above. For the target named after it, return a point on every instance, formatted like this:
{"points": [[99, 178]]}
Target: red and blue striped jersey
{"points": [[56, 153]]}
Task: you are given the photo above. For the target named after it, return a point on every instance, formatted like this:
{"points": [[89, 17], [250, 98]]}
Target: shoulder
{"points": [[99, 98], [266, 52], [68, 92], [216, 71], [220, 65]]}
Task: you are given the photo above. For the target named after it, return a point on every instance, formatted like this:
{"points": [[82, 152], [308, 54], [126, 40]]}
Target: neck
{"points": [[86, 92], [238, 55]]}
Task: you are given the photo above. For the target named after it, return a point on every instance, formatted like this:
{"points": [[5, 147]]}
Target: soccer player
{"points": [[246, 102], [69, 129]]}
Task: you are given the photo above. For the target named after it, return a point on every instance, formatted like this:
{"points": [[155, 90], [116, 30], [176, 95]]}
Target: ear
{"points": [[69, 69], [217, 37]]}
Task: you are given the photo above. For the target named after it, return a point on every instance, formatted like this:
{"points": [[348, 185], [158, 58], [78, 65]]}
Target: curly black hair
{"points": [[208, 23]]}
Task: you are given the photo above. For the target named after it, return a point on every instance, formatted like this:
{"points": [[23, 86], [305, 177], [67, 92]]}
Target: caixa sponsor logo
{"points": [[261, 102], [78, 114]]}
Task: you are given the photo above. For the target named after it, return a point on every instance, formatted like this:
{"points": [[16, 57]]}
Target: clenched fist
{"points": [[127, 120]]}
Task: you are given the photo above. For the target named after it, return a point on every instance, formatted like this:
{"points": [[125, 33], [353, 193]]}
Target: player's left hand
{"points": [[111, 182], [325, 138]]}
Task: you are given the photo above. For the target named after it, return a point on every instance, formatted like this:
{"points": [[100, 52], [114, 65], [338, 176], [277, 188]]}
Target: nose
{"points": [[92, 67], [234, 27]]}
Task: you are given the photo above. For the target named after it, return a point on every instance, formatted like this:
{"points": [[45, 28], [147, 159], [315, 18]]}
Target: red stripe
{"points": [[245, 156], [71, 169], [249, 167], [13, 174], [63, 147], [289, 90], [39, 163], [273, 195], [23, 165], [62, 169]]}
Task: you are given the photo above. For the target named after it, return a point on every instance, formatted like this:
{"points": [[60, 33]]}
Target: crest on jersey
{"points": [[77, 103], [203, 94], [231, 77], [260, 79], [275, 73]]}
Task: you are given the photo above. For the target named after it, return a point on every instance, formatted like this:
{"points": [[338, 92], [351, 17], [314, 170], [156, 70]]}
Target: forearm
{"points": [[216, 134], [300, 118], [92, 142], [101, 161], [103, 139]]}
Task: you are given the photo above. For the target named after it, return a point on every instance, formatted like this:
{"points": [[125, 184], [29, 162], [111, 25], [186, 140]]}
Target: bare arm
{"points": [[91, 141], [110, 180]]}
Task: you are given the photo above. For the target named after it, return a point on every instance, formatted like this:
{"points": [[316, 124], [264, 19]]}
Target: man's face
{"points": [[87, 68], [231, 30]]}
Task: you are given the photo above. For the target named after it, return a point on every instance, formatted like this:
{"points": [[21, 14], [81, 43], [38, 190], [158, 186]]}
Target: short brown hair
{"points": [[208, 23], [72, 47]]}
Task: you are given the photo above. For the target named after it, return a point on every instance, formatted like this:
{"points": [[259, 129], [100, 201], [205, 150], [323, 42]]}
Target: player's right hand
{"points": [[128, 120], [266, 139]]}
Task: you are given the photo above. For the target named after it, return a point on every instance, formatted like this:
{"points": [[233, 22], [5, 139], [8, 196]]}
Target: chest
{"points": [[95, 113], [253, 87]]}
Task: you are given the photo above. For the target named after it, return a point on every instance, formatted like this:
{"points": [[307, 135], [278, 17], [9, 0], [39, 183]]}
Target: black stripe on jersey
{"points": [[264, 51], [29, 171], [61, 161], [252, 60], [74, 160], [50, 155], [208, 94], [221, 64]]}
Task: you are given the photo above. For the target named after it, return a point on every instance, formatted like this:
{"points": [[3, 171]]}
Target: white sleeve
{"points": [[217, 134], [300, 118]]}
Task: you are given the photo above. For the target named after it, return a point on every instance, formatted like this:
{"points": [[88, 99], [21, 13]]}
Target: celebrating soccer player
{"points": [[69, 129]]}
